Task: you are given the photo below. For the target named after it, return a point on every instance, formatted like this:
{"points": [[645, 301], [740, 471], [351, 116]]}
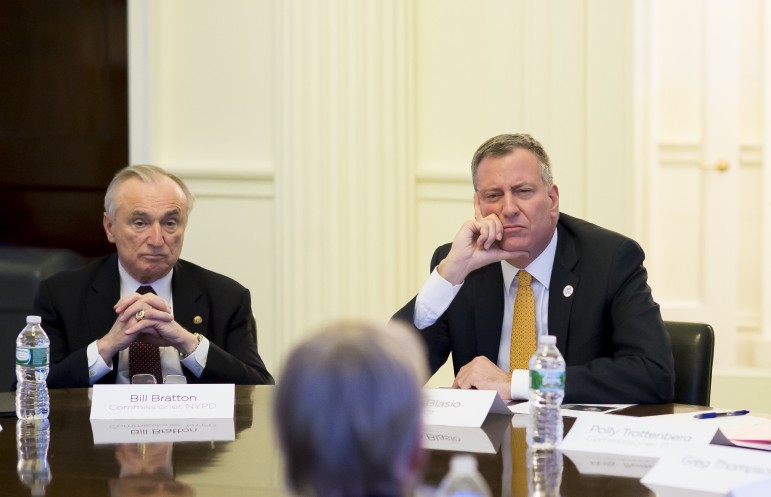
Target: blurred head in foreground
{"points": [[348, 411]]}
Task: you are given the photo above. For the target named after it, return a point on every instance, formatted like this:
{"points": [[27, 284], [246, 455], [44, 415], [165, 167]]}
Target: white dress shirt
{"points": [[437, 294], [170, 361]]}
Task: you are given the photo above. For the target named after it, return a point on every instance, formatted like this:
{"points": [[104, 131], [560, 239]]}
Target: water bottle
{"points": [[32, 437], [547, 389], [32, 346], [544, 472], [463, 479]]}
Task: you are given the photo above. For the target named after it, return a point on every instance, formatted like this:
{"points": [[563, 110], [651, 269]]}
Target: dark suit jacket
{"points": [[77, 308], [609, 330]]}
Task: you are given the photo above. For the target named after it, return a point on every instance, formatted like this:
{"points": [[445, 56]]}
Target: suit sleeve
{"points": [[437, 336], [68, 369], [233, 356], [637, 365]]}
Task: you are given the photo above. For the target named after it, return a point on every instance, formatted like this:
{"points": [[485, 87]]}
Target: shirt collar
{"points": [[129, 285], [540, 268]]}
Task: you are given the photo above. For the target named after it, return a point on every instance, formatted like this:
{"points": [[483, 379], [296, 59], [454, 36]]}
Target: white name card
{"points": [[760, 488], [484, 440], [168, 401], [629, 436], [711, 470], [456, 407], [114, 431]]}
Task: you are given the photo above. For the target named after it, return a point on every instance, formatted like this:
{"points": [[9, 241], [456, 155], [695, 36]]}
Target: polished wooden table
{"points": [[248, 466]]}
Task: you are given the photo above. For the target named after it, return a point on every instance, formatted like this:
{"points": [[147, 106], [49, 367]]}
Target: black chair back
{"points": [[21, 270], [693, 347]]}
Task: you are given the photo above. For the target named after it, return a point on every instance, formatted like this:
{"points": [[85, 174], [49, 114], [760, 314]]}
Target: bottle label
{"points": [[547, 380], [34, 357]]}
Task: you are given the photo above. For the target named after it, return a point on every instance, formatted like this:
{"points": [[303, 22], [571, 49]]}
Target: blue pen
{"points": [[712, 414]]}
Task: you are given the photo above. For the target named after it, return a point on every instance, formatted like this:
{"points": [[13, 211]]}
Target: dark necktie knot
{"points": [[145, 289]]}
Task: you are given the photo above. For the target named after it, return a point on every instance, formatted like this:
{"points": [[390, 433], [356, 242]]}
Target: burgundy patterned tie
{"points": [[145, 358]]}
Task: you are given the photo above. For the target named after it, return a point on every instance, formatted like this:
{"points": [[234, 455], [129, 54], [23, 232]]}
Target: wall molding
{"points": [[234, 185], [679, 154], [751, 155], [690, 154], [344, 123]]}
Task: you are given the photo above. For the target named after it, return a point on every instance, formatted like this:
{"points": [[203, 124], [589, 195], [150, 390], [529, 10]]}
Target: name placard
{"points": [[760, 488], [113, 431], [168, 401], [455, 407], [629, 436], [713, 470]]}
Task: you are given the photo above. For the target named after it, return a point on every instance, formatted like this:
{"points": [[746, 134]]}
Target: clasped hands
{"points": [[147, 318]]}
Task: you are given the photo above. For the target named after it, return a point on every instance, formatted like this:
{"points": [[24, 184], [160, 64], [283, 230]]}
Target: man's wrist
{"points": [[105, 351], [97, 367], [192, 346], [451, 271]]}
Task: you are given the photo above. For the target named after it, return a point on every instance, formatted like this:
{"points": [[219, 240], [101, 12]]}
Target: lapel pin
{"points": [[197, 320], [567, 291]]}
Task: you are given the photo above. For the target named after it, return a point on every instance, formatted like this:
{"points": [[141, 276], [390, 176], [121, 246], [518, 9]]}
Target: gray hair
{"points": [[501, 145], [348, 411], [146, 174]]}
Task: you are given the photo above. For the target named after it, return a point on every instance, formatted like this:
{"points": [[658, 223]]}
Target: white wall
{"points": [[328, 141], [292, 122]]}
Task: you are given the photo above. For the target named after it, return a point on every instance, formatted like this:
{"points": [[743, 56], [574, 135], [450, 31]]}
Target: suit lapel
{"points": [[562, 281], [104, 293], [191, 309], [488, 310]]}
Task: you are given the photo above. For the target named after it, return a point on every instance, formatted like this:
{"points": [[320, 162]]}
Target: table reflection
{"points": [[517, 471], [32, 439], [147, 469], [544, 472], [250, 465]]}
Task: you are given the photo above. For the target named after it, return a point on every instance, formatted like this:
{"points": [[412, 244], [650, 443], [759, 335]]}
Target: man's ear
{"points": [[107, 223], [554, 195]]}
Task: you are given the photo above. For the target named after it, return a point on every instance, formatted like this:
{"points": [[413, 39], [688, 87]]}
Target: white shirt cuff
{"points": [[196, 362], [433, 299], [520, 388], [96, 365]]}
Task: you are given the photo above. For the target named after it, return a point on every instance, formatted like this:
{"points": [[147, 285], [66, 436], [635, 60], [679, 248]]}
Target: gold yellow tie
{"points": [[522, 347], [523, 324]]}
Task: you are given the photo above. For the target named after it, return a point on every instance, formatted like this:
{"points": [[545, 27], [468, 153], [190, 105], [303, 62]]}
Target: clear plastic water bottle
{"points": [[544, 472], [547, 389], [463, 479], [32, 348], [32, 438]]}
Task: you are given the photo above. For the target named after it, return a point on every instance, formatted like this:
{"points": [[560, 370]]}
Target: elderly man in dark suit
{"points": [[586, 285], [143, 310]]}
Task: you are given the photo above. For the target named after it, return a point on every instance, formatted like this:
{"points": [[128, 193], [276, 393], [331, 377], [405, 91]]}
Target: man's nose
{"points": [[155, 235], [510, 205]]}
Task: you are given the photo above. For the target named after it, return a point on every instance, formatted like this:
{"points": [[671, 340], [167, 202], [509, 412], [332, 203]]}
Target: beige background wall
{"points": [[328, 141]]}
